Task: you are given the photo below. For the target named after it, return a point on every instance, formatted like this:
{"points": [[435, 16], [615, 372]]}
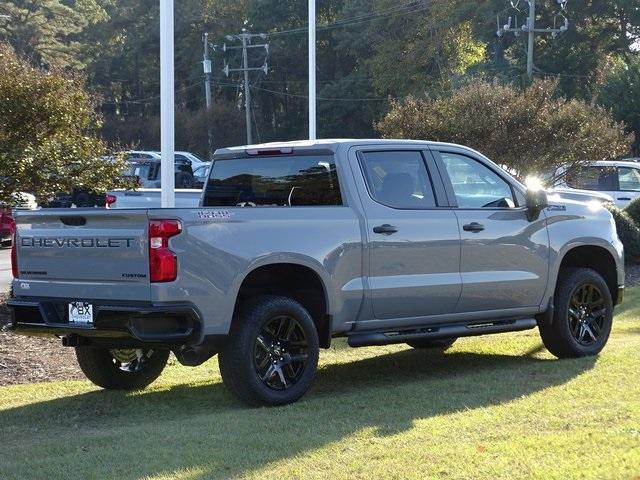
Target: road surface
{"points": [[5, 269]]}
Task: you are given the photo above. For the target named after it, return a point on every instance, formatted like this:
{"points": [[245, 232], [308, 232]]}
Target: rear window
{"points": [[297, 181], [592, 178]]}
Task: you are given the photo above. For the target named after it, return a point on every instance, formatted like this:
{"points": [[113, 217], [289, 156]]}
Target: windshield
{"points": [[273, 182]]}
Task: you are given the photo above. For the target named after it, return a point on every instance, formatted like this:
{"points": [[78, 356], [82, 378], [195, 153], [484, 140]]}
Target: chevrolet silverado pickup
{"points": [[293, 244]]}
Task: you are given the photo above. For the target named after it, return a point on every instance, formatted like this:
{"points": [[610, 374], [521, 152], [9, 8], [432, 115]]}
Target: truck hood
{"points": [[589, 212], [581, 195]]}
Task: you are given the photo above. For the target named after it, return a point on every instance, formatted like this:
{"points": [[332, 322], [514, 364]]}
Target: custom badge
{"points": [[214, 215]]}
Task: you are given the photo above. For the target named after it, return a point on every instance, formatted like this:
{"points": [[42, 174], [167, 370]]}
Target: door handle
{"points": [[474, 227], [385, 229], [624, 198]]}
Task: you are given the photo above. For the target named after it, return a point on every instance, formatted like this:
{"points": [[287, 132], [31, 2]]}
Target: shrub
{"points": [[530, 131], [629, 234], [48, 133], [633, 210]]}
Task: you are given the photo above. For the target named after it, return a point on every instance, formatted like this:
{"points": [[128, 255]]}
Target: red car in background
{"points": [[7, 225]]}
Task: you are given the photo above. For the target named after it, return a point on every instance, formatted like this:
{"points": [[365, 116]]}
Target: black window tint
{"points": [[273, 182], [476, 185], [592, 178], [398, 179]]}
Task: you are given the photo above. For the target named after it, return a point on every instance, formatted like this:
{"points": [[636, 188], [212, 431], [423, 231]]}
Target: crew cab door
{"points": [[504, 256], [414, 243]]}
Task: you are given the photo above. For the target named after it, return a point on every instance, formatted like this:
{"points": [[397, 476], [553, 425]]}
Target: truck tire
{"points": [[272, 352], [440, 344], [582, 317], [122, 369]]}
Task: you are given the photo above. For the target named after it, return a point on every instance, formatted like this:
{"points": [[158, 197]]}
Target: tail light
{"points": [[14, 255], [163, 263], [110, 200]]}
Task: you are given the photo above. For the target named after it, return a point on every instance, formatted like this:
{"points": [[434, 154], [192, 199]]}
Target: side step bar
{"points": [[367, 339]]}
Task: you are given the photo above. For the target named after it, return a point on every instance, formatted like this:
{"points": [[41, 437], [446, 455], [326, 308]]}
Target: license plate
{"points": [[81, 313]]}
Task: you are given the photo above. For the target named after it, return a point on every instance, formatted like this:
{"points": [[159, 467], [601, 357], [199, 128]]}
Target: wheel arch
{"points": [[595, 257], [299, 279]]}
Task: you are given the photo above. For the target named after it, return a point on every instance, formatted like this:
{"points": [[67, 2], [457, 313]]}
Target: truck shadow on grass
{"points": [[201, 427]]}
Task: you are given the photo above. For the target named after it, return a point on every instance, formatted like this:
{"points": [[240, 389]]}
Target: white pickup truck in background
{"points": [[150, 198], [618, 180]]}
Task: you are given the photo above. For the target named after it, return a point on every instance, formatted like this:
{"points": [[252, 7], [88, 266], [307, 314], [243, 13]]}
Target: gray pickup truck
{"points": [[379, 241]]}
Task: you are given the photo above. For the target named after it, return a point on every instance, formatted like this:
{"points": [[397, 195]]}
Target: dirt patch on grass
{"points": [[33, 359]]}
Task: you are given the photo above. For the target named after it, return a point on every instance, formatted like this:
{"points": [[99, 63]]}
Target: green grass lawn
{"points": [[494, 407]]}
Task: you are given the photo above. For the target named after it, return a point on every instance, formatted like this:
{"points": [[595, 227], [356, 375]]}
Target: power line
{"points": [[151, 99], [326, 99], [403, 9]]}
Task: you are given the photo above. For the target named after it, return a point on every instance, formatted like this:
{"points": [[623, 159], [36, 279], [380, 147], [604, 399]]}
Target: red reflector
{"points": [[110, 200], [163, 263]]}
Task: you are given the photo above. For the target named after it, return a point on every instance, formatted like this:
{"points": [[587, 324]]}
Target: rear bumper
{"points": [[143, 322]]}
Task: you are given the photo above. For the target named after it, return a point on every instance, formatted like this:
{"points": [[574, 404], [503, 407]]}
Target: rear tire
{"points": [[122, 369], [272, 352], [582, 317], [442, 344]]}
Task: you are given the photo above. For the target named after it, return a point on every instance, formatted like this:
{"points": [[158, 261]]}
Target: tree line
{"points": [[372, 55]]}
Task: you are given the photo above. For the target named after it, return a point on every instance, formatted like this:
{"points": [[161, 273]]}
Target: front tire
{"points": [[583, 315], [130, 369], [272, 353]]}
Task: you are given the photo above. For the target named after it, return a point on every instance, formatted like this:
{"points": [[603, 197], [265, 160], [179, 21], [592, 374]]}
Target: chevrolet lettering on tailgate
{"points": [[54, 242]]}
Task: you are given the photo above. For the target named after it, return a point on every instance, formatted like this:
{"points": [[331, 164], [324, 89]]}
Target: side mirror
{"points": [[536, 202]]}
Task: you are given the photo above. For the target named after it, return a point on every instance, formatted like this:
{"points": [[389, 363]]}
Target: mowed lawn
{"points": [[494, 407]]}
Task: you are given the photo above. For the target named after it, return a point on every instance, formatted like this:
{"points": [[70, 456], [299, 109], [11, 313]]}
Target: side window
{"points": [[475, 185], [629, 179], [398, 179], [592, 178], [286, 181]]}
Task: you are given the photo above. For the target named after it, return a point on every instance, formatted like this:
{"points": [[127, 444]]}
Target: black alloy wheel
{"points": [[271, 354], [587, 314], [281, 352], [582, 315]]}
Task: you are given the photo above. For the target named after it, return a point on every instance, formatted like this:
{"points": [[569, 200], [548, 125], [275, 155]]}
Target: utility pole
{"points": [[246, 38], [247, 90], [206, 66], [530, 28]]}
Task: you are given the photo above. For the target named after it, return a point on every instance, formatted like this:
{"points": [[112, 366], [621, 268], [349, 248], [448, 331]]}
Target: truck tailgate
{"points": [[83, 254]]}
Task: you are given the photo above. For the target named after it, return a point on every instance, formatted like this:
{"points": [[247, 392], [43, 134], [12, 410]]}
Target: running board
{"points": [[367, 339]]}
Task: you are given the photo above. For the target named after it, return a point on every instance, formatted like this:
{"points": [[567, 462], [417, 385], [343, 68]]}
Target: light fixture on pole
{"points": [[312, 70], [167, 105]]}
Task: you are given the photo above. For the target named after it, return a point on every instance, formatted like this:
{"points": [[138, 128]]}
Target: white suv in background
{"points": [[618, 179]]}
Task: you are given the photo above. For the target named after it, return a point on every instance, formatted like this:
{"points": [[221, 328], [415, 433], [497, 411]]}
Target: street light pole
{"points": [[312, 71], [167, 105]]}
